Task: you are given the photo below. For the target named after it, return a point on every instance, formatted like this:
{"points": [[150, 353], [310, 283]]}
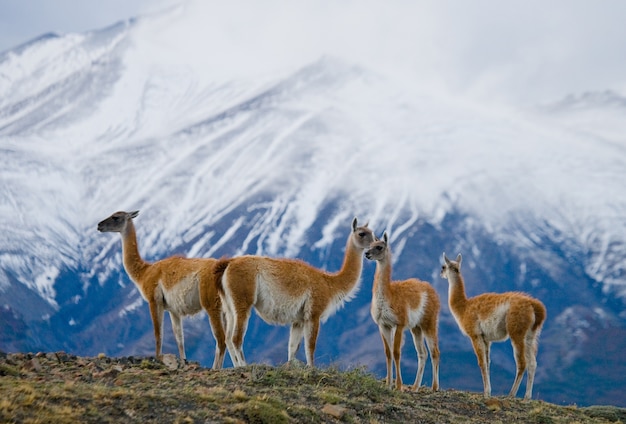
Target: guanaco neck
{"points": [[382, 277], [348, 276], [456, 293], [134, 265]]}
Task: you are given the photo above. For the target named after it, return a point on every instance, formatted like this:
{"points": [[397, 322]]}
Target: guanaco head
{"points": [[361, 235], [117, 222], [377, 249], [450, 266]]}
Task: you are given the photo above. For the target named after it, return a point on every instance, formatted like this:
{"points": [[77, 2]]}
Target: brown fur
{"points": [[288, 291], [182, 286], [493, 317], [399, 305]]}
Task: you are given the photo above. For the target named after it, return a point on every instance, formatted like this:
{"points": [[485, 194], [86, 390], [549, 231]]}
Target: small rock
{"points": [[109, 373], [94, 367], [33, 365], [170, 361], [191, 366], [494, 404], [82, 362], [334, 410], [63, 357]]}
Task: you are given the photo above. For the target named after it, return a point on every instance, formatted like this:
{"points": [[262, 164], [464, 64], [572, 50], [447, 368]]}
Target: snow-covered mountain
{"points": [[277, 163]]}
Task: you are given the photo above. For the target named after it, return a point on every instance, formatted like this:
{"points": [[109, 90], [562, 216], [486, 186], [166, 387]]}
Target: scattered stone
{"points": [[63, 357], [494, 404], [94, 367], [191, 366], [109, 373], [124, 361], [334, 410], [33, 365], [170, 361]]}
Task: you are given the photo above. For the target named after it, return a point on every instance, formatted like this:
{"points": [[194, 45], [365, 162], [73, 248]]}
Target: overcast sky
{"points": [[527, 48]]}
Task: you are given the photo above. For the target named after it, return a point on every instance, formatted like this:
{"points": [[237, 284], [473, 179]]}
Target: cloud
{"points": [[535, 49], [526, 51]]}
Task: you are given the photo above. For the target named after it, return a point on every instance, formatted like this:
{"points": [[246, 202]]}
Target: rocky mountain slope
{"points": [[62, 388]]}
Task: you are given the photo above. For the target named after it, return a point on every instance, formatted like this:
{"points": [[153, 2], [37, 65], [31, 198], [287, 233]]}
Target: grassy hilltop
{"points": [[63, 388]]}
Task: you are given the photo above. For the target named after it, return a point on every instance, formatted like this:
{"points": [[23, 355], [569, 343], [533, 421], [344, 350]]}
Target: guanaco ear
{"points": [[459, 259], [445, 258], [354, 224], [385, 238], [133, 214]]}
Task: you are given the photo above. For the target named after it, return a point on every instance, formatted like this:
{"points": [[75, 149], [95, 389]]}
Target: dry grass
{"points": [[60, 388]]}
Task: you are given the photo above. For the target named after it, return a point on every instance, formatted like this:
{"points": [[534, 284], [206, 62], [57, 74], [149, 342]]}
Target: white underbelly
{"points": [[275, 306], [381, 312], [183, 298], [416, 315], [493, 327]]}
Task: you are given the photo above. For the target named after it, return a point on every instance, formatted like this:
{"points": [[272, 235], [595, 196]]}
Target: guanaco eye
{"points": [[362, 234], [379, 248]]}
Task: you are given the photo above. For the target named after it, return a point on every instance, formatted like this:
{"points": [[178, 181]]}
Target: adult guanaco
{"points": [[492, 317], [182, 286], [288, 291]]}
